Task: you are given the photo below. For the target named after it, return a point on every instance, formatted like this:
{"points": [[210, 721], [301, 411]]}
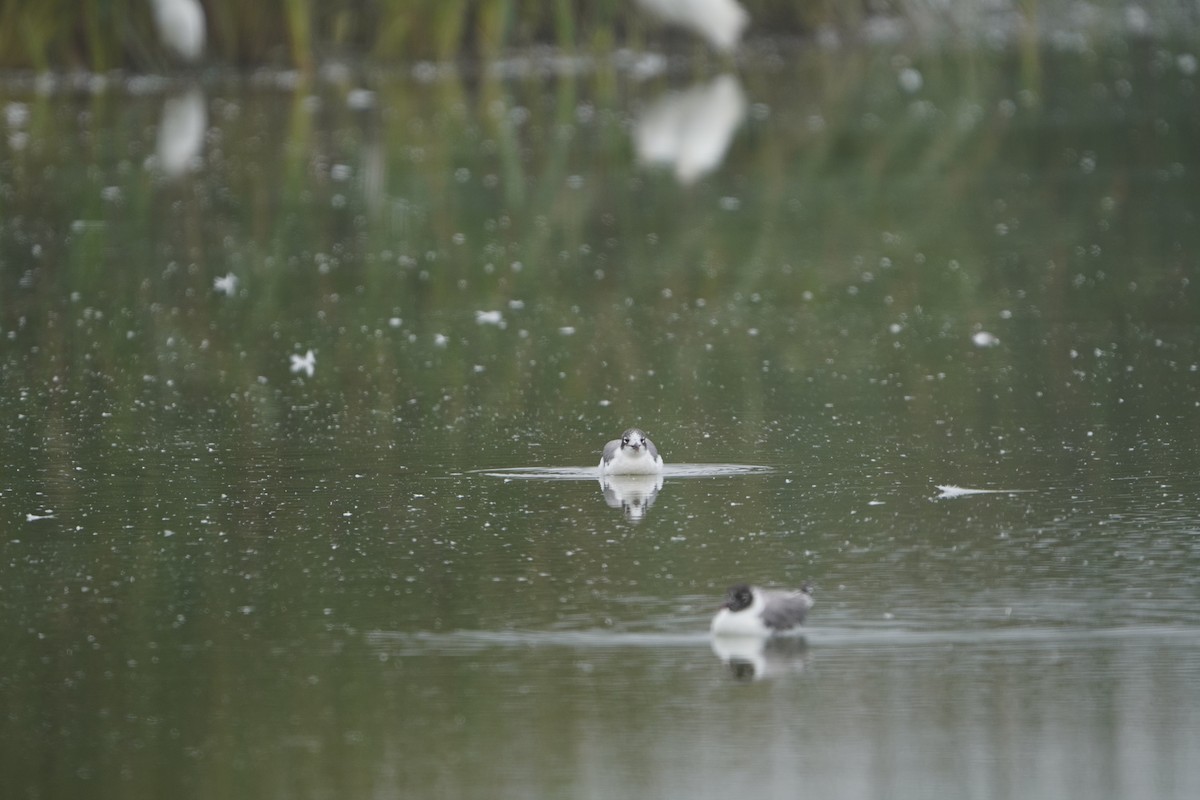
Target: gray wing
{"points": [[785, 609], [651, 449], [610, 450]]}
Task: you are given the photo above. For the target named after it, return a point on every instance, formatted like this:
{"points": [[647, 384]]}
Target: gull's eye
{"points": [[625, 440]]}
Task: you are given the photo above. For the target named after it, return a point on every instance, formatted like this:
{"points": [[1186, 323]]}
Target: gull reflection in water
{"points": [[634, 494], [750, 658], [691, 130], [181, 132]]}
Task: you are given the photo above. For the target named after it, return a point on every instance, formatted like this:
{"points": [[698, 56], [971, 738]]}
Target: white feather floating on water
{"points": [[949, 492]]}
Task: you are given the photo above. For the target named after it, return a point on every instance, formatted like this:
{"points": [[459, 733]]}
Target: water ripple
{"points": [[593, 473]]}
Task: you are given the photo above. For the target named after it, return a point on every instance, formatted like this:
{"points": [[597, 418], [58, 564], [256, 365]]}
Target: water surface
{"points": [[234, 569]]}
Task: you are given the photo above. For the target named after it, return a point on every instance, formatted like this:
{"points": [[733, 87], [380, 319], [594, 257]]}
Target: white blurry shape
{"points": [[950, 491], [181, 132], [489, 318], [226, 284], [691, 130], [910, 80], [306, 363], [754, 659], [16, 114], [633, 494], [360, 99], [984, 339], [721, 22], [181, 26]]}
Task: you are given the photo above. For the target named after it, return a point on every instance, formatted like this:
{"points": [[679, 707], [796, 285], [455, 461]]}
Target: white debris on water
{"points": [[489, 318], [306, 363], [226, 284], [949, 491], [984, 339], [910, 80]]}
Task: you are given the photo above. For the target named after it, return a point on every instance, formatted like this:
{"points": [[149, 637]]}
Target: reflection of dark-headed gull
{"points": [[691, 130], [634, 494], [721, 22], [754, 658], [632, 454], [751, 611]]}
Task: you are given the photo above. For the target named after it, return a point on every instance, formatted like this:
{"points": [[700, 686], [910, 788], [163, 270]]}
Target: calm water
{"points": [[871, 272]]}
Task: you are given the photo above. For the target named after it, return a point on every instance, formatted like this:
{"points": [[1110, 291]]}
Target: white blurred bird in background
{"points": [[721, 22], [181, 26]]}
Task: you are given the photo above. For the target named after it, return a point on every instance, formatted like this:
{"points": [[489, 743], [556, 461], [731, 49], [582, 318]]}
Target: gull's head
{"points": [[633, 440], [738, 597]]}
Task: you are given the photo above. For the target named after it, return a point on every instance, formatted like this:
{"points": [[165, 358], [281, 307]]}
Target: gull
{"points": [[632, 454], [751, 611]]}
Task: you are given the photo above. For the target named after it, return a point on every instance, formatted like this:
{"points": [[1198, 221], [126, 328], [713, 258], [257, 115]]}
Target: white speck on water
{"points": [[984, 339], [949, 491], [489, 318], [306, 363], [605, 403], [360, 99], [16, 114], [1137, 18], [729, 203], [36, 517], [478, 368], [1187, 63], [395, 322], [516, 305], [440, 340], [567, 330], [910, 80], [340, 172], [226, 284]]}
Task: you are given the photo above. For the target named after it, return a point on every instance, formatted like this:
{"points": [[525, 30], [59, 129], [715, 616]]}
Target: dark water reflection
{"points": [[227, 577]]}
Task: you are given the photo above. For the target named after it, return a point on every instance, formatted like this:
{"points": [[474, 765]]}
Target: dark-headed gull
{"points": [[751, 611]]}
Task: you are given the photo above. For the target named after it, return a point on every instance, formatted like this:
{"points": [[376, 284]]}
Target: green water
{"points": [[906, 267]]}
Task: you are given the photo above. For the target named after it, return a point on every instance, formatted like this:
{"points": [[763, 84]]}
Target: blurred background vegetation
{"points": [[119, 34]]}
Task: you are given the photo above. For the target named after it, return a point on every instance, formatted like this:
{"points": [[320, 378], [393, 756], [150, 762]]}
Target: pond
{"points": [[305, 379]]}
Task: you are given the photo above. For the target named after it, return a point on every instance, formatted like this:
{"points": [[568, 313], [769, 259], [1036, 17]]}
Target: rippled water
{"points": [[294, 376]]}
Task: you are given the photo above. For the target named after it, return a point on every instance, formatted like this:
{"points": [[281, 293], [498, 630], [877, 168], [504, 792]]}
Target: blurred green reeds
{"points": [[101, 35]]}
